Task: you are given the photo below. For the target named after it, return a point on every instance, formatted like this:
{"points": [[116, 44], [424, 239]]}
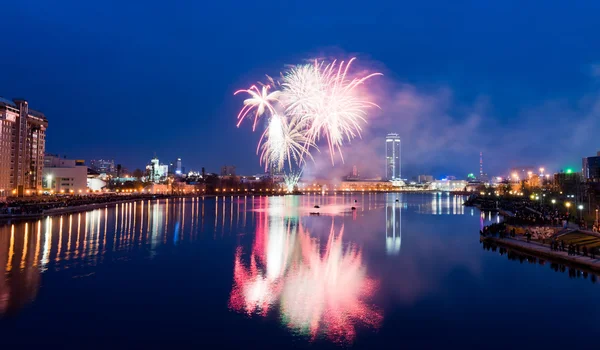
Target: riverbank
{"points": [[544, 251]]}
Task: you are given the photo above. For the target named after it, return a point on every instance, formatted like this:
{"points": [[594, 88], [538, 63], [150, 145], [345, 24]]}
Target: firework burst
{"points": [[291, 180], [283, 141], [314, 101], [261, 100]]}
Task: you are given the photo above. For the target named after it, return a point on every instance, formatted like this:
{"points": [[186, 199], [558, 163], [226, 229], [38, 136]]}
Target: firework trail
{"points": [[315, 101], [283, 141], [326, 101], [291, 180], [261, 100]]}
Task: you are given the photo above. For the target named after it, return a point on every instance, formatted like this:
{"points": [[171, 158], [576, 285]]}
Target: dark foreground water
{"points": [[262, 272]]}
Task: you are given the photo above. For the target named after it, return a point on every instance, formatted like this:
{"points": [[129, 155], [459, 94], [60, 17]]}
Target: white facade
{"points": [[449, 185], [158, 172], [64, 175]]}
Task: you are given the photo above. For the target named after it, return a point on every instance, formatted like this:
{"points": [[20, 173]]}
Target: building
{"points": [[228, 170], [103, 166], [591, 168], [367, 185], [157, 172], [392, 157], [569, 183], [178, 167], [22, 146], [448, 185], [63, 175], [423, 179]]}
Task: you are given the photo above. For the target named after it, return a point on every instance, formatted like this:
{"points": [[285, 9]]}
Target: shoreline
{"points": [[539, 250]]}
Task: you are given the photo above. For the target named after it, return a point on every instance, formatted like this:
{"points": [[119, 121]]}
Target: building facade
{"points": [[423, 179], [61, 175], [228, 170], [591, 168], [22, 146], [392, 157], [103, 166], [157, 172]]}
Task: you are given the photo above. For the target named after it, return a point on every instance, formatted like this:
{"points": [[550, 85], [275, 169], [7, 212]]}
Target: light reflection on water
{"points": [[312, 272], [319, 285]]}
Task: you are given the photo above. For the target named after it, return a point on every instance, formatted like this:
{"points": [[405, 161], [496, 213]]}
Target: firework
{"points": [[291, 180], [327, 102], [314, 101], [283, 141], [261, 100]]}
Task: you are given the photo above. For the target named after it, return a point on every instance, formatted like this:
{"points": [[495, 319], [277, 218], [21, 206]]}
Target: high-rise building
{"points": [[591, 168], [178, 168], [22, 146], [157, 172], [392, 157], [103, 166]]}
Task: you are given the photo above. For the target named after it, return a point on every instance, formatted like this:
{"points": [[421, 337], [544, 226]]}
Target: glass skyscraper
{"points": [[392, 156]]}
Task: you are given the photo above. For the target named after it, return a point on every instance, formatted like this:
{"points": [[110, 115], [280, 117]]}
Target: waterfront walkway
{"points": [[543, 250]]}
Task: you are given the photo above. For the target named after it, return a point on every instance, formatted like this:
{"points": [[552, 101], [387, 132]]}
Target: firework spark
{"points": [[327, 102], [284, 141], [291, 180], [262, 100], [311, 102]]}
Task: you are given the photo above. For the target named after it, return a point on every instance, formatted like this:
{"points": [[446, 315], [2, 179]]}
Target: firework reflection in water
{"points": [[318, 291]]}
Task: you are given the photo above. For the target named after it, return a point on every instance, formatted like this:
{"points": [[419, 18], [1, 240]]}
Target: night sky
{"points": [[518, 80]]}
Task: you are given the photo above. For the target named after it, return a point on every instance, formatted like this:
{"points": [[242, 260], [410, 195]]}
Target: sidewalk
{"points": [[539, 249]]}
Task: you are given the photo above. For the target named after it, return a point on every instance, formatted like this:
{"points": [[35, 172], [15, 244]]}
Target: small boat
{"points": [[353, 208], [316, 207]]}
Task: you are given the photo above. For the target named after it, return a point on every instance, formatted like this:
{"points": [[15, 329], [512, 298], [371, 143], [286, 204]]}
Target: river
{"points": [[369, 271]]}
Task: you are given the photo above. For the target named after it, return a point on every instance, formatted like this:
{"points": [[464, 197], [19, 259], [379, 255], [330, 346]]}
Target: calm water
{"points": [[262, 272]]}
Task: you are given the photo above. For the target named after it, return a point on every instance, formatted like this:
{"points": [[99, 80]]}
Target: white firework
{"points": [[291, 180], [327, 102], [261, 100], [283, 141]]}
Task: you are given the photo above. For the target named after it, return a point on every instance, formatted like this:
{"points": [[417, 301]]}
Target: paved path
{"points": [[539, 249]]}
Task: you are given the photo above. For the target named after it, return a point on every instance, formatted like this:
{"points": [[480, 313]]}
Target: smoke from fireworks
{"points": [[314, 101]]}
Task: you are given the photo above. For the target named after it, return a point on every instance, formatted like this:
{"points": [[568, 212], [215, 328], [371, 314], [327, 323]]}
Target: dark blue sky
{"points": [[126, 79]]}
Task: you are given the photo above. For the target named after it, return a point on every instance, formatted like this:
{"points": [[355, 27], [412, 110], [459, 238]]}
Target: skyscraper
{"points": [[392, 157], [22, 146]]}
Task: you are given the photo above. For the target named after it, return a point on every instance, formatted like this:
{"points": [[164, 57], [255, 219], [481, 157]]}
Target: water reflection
{"points": [[320, 286], [393, 227], [514, 255]]}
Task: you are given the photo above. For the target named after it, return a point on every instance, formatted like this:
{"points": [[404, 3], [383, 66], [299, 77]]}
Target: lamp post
{"points": [[553, 202], [580, 207]]}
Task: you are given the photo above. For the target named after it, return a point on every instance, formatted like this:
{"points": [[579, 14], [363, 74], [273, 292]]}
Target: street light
{"points": [[580, 207]]}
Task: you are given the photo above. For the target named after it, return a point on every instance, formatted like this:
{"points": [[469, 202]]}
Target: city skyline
{"points": [[447, 104]]}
